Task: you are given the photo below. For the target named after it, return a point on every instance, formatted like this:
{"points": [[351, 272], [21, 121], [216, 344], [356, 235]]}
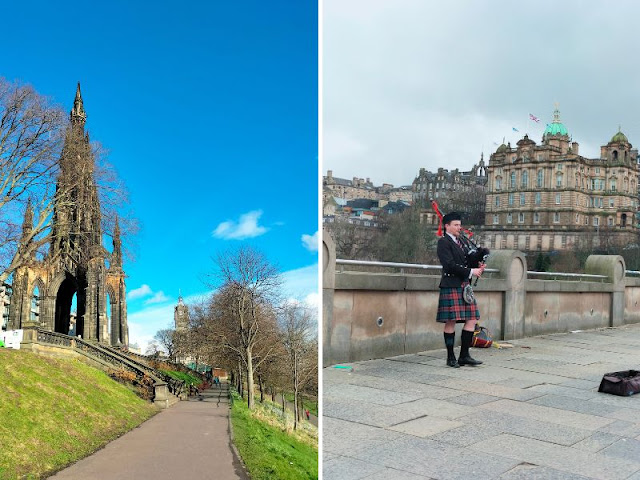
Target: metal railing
{"points": [[401, 266], [570, 276], [438, 268]]}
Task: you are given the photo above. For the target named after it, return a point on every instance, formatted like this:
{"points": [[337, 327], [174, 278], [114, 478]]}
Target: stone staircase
{"points": [[162, 389]]}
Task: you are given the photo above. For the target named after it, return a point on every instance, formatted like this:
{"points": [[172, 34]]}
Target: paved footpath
{"points": [[529, 412], [188, 440]]}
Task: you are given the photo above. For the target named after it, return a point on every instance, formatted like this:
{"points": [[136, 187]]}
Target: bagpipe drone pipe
{"points": [[475, 254]]}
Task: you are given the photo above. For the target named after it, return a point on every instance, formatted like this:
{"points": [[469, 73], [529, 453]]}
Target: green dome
{"points": [[619, 138], [502, 148], [556, 127]]}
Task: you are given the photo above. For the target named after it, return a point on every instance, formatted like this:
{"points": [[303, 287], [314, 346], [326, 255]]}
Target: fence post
{"points": [[613, 267], [512, 267], [328, 290]]}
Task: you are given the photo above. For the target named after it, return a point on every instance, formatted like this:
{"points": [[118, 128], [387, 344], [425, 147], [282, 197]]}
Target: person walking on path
{"points": [[452, 308]]}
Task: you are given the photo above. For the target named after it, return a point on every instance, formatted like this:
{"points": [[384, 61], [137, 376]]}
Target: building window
{"points": [[558, 198], [498, 183], [513, 180], [559, 180], [522, 199], [496, 219], [610, 222], [596, 221], [538, 198], [577, 218], [525, 179], [510, 199], [536, 217], [521, 218], [586, 220], [597, 170], [509, 218], [613, 185], [540, 181], [497, 201], [559, 166], [556, 217]]}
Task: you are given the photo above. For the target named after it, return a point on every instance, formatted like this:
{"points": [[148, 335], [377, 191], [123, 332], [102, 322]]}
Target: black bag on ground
{"points": [[621, 383]]}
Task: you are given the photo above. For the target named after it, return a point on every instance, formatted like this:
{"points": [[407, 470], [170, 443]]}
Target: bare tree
{"points": [[166, 340], [298, 333], [32, 131], [33, 135], [245, 313]]}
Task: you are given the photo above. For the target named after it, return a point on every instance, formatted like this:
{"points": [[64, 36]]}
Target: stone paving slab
{"points": [[535, 472], [426, 426], [370, 394], [426, 457], [393, 474], [529, 412], [341, 437], [548, 431], [549, 414]]}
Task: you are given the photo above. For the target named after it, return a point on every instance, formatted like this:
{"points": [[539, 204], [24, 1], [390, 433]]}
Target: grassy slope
{"points": [[56, 411], [267, 446], [188, 379]]}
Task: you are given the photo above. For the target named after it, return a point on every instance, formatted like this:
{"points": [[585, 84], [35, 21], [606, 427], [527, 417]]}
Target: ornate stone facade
{"points": [[76, 262], [548, 197]]}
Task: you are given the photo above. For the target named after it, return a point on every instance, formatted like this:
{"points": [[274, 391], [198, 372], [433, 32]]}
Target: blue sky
{"points": [[209, 112]]}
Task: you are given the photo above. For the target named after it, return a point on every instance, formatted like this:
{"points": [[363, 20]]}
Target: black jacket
{"points": [[454, 263]]}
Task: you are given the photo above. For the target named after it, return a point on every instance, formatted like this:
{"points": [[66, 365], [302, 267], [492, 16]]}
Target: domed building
{"points": [[543, 197]]}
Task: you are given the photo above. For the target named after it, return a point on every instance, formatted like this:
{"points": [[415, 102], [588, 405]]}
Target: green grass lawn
{"points": [[56, 411], [267, 446], [188, 379], [312, 406]]}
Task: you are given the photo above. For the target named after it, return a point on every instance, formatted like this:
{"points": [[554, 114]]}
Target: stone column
{"points": [[328, 289], [512, 268], [613, 267]]}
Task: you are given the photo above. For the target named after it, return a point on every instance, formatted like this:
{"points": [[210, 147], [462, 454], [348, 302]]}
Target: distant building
{"points": [[549, 197], [362, 188], [441, 184]]}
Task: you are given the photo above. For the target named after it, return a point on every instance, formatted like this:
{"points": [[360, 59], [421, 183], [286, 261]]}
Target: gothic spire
{"points": [[78, 115], [27, 224], [116, 256]]}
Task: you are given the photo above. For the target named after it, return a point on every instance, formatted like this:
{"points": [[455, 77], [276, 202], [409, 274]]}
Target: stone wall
{"points": [[378, 315]]}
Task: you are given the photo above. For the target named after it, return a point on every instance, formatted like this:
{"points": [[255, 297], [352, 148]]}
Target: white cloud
{"points": [[310, 242], [246, 227], [144, 324], [143, 291], [398, 96], [298, 284], [159, 297]]}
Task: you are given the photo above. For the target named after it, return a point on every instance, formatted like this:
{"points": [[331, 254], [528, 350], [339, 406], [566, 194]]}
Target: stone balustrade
{"points": [[370, 315]]}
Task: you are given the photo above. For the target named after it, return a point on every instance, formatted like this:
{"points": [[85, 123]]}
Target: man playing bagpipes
{"points": [[457, 303]]}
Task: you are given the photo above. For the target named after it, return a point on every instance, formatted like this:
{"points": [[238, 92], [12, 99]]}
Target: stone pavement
{"points": [[529, 412], [188, 440]]}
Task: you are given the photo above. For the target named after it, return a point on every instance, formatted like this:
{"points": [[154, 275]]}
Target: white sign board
{"points": [[12, 339]]}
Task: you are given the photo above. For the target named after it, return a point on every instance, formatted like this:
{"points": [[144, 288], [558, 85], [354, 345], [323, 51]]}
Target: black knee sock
{"points": [[465, 342], [449, 340]]}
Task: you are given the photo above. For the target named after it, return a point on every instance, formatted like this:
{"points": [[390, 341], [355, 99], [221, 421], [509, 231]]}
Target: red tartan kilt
{"points": [[451, 306]]}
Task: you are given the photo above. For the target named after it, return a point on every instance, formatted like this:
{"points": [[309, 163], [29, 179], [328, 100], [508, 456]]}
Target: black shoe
{"points": [[468, 361], [451, 362]]}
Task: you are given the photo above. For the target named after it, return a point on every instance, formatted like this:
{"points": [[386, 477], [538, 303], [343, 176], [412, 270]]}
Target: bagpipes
{"points": [[475, 254]]}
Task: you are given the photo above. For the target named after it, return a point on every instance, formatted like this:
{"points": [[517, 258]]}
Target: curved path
{"points": [[189, 440]]}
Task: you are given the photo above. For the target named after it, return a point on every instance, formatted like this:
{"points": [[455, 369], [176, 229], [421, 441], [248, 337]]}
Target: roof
{"points": [[556, 127]]}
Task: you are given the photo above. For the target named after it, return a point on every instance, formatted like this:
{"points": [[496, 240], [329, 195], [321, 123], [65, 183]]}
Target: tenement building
{"points": [[549, 197]]}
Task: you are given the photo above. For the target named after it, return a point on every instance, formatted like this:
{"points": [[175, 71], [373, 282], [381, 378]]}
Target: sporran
{"points": [[467, 294]]}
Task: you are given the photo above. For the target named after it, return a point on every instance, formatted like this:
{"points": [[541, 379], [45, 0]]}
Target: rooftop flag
{"points": [[515, 129], [534, 118]]}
